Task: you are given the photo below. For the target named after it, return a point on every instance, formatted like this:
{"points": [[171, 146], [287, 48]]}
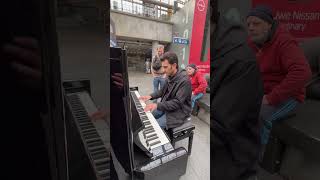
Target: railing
{"points": [[141, 8]]}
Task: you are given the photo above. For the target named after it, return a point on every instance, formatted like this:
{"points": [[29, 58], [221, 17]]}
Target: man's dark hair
{"points": [[171, 57]]}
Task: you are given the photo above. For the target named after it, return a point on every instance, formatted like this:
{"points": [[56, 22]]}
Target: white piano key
{"points": [[159, 132]]}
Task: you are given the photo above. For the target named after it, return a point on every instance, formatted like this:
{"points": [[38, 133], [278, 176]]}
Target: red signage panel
{"points": [[302, 17]]}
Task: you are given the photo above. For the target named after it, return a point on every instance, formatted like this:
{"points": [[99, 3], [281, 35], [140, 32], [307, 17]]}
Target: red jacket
{"points": [[199, 83], [284, 68]]}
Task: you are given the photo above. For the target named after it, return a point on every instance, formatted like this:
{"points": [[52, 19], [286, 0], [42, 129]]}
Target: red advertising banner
{"points": [[197, 37], [302, 17]]}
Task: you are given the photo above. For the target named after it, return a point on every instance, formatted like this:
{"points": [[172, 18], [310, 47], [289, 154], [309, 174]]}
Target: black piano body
{"points": [[125, 124]]}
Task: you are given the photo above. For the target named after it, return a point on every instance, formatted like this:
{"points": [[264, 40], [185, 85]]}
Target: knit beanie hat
{"points": [[192, 66], [263, 12]]}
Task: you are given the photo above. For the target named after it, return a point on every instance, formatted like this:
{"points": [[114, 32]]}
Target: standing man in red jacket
{"points": [[198, 82], [283, 66]]}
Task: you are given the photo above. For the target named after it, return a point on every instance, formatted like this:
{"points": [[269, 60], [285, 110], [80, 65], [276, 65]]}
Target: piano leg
{"points": [[190, 143]]}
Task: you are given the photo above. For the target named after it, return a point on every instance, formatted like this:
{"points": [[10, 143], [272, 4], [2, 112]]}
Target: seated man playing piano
{"points": [[175, 105]]}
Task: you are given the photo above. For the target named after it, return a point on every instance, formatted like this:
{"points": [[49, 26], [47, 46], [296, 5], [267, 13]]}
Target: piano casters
{"points": [[182, 132]]}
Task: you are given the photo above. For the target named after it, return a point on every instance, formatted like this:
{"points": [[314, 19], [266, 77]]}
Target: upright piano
{"points": [[87, 141], [140, 147]]}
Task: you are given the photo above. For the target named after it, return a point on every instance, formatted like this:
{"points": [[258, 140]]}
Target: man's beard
{"points": [[262, 39]]}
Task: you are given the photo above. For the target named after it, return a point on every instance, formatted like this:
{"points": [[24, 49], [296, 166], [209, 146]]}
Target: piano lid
{"points": [[120, 131]]}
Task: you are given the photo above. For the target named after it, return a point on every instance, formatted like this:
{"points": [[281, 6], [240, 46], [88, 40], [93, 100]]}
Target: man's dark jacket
{"points": [[175, 99], [236, 97]]}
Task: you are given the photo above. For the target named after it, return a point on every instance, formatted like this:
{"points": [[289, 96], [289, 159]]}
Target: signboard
{"points": [[197, 37], [180, 40], [301, 17]]}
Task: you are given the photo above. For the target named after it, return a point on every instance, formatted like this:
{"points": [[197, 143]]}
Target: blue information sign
{"points": [[180, 40]]}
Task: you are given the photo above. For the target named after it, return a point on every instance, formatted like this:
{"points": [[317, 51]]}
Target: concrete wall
{"points": [[183, 21], [134, 27]]}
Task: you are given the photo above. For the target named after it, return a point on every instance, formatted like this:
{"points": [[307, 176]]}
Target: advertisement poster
{"points": [[198, 41], [301, 17]]}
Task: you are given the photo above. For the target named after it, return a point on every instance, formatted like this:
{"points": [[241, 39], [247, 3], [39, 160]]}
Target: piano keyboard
{"points": [[152, 136], [81, 105]]}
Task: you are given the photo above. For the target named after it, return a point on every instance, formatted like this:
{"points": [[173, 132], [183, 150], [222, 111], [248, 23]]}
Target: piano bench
{"points": [[182, 132]]}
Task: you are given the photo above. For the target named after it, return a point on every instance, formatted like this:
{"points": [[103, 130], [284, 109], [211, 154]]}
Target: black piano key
{"points": [[91, 136], [99, 155], [147, 128], [151, 135], [95, 143], [75, 105], [144, 119], [104, 175], [152, 138], [96, 148], [83, 119], [74, 102], [81, 116], [101, 165], [142, 114], [155, 143], [104, 172], [86, 126], [101, 162], [85, 123], [148, 141], [83, 128], [89, 140], [89, 131], [79, 111], [144, 132], [88, 123], [149, 131], [101, 149], [147, 123]]}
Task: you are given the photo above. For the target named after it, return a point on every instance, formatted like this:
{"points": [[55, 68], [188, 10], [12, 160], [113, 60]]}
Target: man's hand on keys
{"points": [[98, 115], [144, 98], [150, 107]]}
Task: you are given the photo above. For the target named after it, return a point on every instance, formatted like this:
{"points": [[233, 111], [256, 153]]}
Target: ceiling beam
{"points": [[158, 3]]}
